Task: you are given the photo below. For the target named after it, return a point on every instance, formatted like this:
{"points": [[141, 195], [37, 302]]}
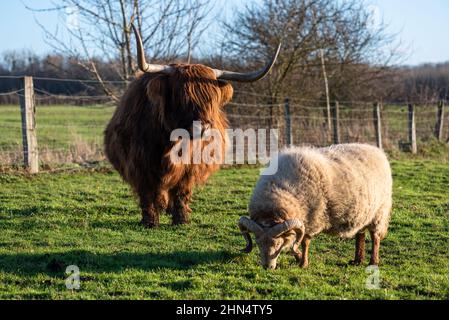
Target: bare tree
{"points": [[102, 28], [343, 30]]}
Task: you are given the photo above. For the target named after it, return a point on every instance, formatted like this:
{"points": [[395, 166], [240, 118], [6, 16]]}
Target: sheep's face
{"points": [[272, 236], [270, 248]]}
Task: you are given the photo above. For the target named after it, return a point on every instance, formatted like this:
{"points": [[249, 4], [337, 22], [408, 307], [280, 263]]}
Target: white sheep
{"points": [[341, 190]]}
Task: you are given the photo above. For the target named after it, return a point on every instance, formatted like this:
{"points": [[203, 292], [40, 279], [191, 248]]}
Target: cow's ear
{"points": [[226, 91], [156, 87], [155, 90]]}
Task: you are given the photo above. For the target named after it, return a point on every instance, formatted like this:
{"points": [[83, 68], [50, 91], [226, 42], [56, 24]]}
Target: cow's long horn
{"points": [[141, 61], [246, 226], [250, 76], [293, 224]]}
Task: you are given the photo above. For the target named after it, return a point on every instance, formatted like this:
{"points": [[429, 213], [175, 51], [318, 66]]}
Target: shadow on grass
{"points": [[20, 212], [52, 263]]}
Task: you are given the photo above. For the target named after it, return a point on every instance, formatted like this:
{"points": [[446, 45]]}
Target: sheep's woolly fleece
{"points": [[341, 190]]}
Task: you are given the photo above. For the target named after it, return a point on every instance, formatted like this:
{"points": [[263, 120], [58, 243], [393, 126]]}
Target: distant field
{"points": [[68, 134], [64, 133], [89, 219], [57, 126]]}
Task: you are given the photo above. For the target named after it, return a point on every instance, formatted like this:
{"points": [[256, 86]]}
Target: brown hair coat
{"points": [[137, 139]]}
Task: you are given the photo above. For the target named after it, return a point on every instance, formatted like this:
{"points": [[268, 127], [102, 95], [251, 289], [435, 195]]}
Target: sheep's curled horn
{"points": [[247, 225]]}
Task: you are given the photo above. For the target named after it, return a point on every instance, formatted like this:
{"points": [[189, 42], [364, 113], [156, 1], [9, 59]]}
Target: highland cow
{"points": [[137, 139]]}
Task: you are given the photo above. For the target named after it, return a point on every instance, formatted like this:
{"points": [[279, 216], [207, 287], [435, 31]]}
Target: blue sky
{"points": [[422, 26]]}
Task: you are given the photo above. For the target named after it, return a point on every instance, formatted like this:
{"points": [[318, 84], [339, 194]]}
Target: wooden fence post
{"points": [[28, 113], [440, 122], [412, 128], [288, 123], [377, 124], [336, 123]]}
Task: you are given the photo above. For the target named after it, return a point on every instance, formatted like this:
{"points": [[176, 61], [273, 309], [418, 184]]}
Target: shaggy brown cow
{"points": [[137, 139]]}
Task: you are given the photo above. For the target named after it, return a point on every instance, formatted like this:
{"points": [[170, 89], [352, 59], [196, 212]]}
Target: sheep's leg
{"points": [[359, 248], [375, 239], [296, 253], [305, 252]]}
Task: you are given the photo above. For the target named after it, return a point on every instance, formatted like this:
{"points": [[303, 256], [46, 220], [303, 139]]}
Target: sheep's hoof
{"points": [[297, 255]]}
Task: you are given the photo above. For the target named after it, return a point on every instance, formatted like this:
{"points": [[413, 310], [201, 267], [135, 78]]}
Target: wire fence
{"points": [[70, 127], [356, 122]]}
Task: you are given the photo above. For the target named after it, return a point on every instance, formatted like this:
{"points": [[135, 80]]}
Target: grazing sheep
{"points": [[341, 190]]}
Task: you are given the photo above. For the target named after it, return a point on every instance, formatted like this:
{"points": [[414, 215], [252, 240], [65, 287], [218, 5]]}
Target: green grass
{"points": [[89, 219], [58, 127]]}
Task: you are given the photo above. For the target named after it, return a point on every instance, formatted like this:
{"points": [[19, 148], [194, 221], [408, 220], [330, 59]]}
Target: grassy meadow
{"points": [[57, 126], [89, 219], [68, 134], [65, 134]]}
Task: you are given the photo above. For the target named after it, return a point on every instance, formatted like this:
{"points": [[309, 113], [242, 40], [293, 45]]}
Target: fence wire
{"points": [[70, 127]]}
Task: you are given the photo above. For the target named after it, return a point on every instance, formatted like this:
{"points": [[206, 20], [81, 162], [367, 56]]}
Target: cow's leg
{"points": [[152, 204], [359, 248], [179, 204], [150, 214]]}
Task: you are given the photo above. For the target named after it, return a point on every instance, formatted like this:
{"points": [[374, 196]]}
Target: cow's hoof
{"points": [[179, 218], [354, 263], [180, 222], [148, 224]]}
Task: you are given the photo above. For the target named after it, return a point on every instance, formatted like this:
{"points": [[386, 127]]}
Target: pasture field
{"points": [[69, 134], [88, 218], [57, 126]]}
